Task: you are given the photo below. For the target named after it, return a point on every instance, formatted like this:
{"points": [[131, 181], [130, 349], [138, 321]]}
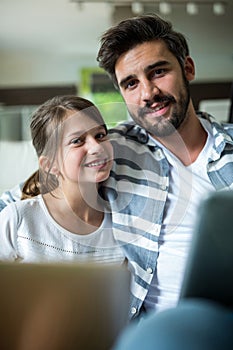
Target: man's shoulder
{"points": [[219, 127], [130, 131], [228, 128], [130, 141], [11, 195]]}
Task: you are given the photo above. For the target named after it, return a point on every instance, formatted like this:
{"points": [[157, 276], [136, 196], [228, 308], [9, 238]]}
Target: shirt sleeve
{"points": [[10, 196], [8, 233]]}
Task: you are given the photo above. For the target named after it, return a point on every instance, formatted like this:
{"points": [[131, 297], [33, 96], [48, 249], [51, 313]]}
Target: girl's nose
{"points": [[94, 147]]}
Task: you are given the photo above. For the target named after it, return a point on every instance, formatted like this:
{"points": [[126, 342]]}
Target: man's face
{"points": [[154, 87]]}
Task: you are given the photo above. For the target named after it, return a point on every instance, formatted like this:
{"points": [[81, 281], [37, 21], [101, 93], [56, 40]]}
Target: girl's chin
{"points": [[102, 177]]}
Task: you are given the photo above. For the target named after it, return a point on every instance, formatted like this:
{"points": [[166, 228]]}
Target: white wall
{"points": [[32, 70], [19, 69], [47, 42]]}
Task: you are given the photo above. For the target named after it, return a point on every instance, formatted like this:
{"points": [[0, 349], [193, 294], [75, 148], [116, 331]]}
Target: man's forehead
{"points": [[142, 57]]}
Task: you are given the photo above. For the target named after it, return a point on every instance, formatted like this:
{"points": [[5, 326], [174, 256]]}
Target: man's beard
{"points": [[163, 126]]}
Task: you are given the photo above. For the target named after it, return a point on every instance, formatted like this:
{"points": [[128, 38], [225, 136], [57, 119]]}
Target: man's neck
{"points": [[187, 142]]}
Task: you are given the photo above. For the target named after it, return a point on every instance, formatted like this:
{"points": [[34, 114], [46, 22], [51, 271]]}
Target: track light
{"points": [[165, 8], [192, 8], [137, 7], [218, 8]]}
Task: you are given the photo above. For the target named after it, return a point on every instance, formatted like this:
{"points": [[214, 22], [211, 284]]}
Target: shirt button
{"points": [[133, 310], [163, 187], [149, 270], [159, 154]]}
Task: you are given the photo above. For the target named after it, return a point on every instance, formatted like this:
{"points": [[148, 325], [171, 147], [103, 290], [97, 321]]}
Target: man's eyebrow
{"points": [[156, 65], [147, 69], [124, 81]]}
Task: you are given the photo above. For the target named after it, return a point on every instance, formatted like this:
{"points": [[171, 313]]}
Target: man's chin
{"points": [[158, 130]]}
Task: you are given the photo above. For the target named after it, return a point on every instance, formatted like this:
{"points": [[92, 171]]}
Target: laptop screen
{"points": [[62, 306]]}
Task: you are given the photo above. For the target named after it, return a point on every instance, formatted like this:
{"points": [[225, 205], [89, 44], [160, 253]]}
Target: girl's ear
{"points": [[45, 165], [189, 68]]}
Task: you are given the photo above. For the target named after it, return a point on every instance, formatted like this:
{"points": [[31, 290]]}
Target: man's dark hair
{"points": [[133, 31]]}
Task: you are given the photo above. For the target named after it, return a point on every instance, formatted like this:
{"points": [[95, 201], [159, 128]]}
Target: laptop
{"points": [[209, 269], [62, 306]]}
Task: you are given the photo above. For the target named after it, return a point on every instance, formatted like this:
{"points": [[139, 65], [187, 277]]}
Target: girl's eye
{"points": [[77, 141], [101, 136]]}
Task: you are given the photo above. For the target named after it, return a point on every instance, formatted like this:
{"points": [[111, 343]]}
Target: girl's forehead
{"points": [[81, 121]]}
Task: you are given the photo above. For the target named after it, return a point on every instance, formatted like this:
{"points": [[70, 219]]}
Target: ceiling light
{"points": [[192, 8], [165, 8], [137, 8], [218, 8]]}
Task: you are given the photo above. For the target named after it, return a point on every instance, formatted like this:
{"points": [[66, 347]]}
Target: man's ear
{"points": [[45, 165], [189, 68]]}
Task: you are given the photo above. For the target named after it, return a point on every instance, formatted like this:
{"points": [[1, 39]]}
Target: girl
{"points": [[62, 217]]}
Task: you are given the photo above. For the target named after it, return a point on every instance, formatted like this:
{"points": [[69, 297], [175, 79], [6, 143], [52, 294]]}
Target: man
{"points": [[167, 159]]}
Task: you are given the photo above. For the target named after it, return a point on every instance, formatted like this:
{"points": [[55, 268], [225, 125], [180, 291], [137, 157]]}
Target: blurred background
{"points": [[49, 47]]}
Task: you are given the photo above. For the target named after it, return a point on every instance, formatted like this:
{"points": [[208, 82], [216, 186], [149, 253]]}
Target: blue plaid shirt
{"points": [[137, 190]]}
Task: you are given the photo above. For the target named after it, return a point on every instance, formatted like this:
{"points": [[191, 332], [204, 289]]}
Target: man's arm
{"points": [[10, 196]]}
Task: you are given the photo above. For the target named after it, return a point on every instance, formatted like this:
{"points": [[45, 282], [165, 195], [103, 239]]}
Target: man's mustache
{"points": [[156, 99]]}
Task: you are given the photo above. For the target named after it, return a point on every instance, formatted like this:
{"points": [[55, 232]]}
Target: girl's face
{"points": [[86, 154]]}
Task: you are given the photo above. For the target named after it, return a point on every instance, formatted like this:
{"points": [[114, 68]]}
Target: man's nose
{"points": [[149, 90]]}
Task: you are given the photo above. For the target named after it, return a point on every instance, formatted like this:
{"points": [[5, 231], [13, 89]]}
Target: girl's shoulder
{"points": [[22, 206]]}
